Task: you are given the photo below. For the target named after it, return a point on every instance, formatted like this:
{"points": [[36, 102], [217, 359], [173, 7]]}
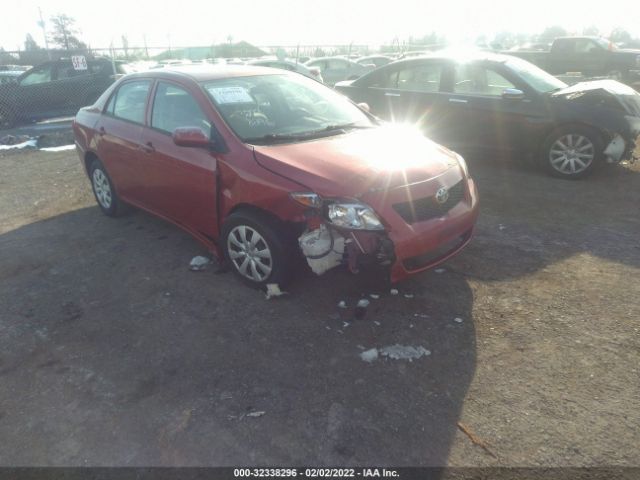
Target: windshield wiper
{"points": [[285, 137], [273, 137], [343, 126]]}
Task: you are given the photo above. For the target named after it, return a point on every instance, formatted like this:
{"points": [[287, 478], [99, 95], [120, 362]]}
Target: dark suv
{"points": [[54, 89]]}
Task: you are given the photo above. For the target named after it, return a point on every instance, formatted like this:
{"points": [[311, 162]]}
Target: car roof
{"points": [[204, 73], [465, 55]]}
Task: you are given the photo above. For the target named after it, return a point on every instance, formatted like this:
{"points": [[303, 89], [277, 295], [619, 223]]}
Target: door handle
{"points": [[148, 147], [458, 100], [389, 94]]}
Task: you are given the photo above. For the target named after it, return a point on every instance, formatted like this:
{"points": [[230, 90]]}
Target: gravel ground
{"points": [[113, 353]]}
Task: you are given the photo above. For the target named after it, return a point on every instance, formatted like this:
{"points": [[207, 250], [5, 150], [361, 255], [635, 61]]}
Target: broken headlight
{"points": [[356, 216]]}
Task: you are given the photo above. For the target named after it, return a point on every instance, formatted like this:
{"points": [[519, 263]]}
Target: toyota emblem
{"points": [[442, 195]]}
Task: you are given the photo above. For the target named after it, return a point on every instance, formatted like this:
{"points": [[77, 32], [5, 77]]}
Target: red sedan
{"points": [[260, 164]]}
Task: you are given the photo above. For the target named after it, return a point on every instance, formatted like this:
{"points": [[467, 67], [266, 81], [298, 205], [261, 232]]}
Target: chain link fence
{"points": [[39, 85]]}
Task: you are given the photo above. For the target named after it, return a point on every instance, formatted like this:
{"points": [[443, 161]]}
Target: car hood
{"points": [[610, 86], [625, 94], [360, 161]]}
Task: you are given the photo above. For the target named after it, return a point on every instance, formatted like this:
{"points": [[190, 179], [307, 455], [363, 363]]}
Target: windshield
{"points": [[269, 108], [535, 77]]}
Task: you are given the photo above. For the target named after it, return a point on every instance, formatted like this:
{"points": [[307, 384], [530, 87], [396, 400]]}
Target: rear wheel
{"points": [[254, 246], [104, 190], [572, 152]]}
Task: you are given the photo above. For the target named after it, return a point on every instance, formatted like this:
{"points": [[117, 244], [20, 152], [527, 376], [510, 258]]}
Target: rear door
{"points": [[409, 92], [73, 83], [119, 138], [180, 181]]}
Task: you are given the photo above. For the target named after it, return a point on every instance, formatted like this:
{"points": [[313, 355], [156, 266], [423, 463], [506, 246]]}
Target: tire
{"points": [[7, 118], [104, 190], [572, 152], [267, 260]]}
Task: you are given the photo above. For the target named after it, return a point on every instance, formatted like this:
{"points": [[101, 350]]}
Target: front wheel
{"points": [[572, 152], [254, 246]]}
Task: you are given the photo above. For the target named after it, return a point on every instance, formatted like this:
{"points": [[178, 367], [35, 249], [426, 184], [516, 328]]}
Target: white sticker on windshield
{"points": [[230, 95]]}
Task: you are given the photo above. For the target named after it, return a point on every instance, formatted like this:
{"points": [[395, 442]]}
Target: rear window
{"points": [[129, 101]]}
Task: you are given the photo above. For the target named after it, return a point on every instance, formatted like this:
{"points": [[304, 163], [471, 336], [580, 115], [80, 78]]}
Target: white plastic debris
{"points": [[402, 352], [377, 322], [323, 249], [342, 304], [458, 320], [364, 303], [421, 315], [370, 355], [439, 270], [255, 414], [501, 227], [375, 296], [408, 295], [199, 263], [393, 291], [345, 324], [273, 290]]}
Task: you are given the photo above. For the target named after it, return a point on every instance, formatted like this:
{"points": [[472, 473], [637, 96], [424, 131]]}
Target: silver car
{"points": [[290, 65], [336, 69]]}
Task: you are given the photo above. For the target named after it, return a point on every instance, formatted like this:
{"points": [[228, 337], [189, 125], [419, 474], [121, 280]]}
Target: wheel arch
{"points": [[602, 134], [89, 157], [290, 228]]}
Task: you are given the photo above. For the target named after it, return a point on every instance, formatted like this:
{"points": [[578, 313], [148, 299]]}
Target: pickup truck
{"points": [[592, 56]]}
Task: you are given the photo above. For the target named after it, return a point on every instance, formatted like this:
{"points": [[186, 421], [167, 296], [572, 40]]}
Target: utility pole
{"points": [[44, 33], [146, 49]]}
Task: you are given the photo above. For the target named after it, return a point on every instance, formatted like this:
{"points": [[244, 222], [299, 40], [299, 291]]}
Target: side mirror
{"points": [[365, 107], [512, 94], [191, 137]]}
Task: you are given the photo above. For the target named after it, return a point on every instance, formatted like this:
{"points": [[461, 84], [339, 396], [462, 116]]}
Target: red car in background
{"points": [[260, 165]]}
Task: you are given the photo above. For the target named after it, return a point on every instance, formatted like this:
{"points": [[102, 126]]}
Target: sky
{"points": [[308, 22]]}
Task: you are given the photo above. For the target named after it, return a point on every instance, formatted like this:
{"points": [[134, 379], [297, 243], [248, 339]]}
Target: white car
{"points": [[290, 65]]}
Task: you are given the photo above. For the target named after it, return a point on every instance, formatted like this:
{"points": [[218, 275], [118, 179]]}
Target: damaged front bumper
{"points": [[408, 245], [619, 149]]}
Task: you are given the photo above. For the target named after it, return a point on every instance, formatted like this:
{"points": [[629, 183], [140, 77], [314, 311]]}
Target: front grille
{"points": [[433, 256], [427, 208]]}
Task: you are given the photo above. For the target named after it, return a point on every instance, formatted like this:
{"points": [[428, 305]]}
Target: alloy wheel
{"points": [[102, 188], [249, 253], [572, 153]]}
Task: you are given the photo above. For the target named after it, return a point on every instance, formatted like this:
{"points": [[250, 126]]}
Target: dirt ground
{"points": [[113, 353]]}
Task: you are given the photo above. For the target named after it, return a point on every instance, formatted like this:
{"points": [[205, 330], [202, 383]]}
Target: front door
{"points": [[180, 181]]}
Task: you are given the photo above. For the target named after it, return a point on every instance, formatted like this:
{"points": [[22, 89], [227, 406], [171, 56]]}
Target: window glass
{"points": [[66, 70], [39, 75], [271, 108], [586, 45], [130, 100], [174, 107], [336, 64], [420, 78], [321, 64], [476, 79]]}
